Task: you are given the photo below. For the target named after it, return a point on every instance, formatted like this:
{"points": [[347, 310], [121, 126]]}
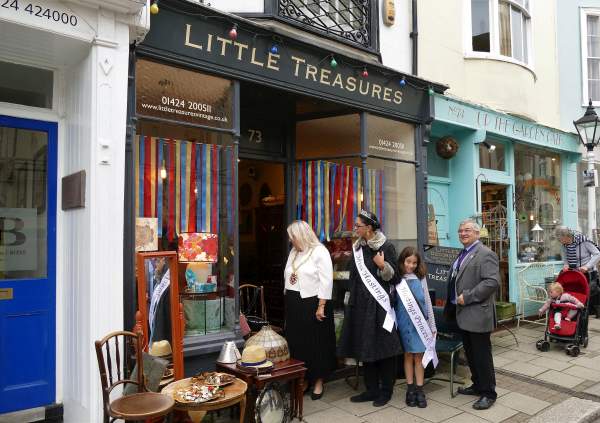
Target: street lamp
{"points": [[589, 134]]}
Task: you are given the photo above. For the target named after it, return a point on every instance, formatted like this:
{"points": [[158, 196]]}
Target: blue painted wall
{"points": [[569, 59]]}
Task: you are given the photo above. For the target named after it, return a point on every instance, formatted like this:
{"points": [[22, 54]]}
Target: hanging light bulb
{"points": [[274, 49], [233, 32], [333, 63], [154, 8], [430, 91], [403, 82], [365, 73], [163, 171]]}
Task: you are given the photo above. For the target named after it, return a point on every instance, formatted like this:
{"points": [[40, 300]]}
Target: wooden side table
{"points": [[234, 394], [292, 371]]}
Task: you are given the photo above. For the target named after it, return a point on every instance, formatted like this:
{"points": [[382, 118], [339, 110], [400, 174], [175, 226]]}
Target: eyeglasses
{"points": [[465, 230], [356, 225]]}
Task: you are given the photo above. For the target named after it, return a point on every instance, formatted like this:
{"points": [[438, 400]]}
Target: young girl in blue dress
{"points": [[412, 270]]}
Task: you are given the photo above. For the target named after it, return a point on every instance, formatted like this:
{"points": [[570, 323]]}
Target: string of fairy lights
{"points": [[277, 43]]}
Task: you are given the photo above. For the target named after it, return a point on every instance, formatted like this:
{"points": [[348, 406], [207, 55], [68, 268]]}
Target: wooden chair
{"points": [[112, 352], [252, 303]]}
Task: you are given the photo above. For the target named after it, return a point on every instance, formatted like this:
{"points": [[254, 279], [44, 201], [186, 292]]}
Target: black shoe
{"points": [[470, 390], [364, 397], [421, 400], [315, 397], [381, 401], [411, 398], [483, 403]]}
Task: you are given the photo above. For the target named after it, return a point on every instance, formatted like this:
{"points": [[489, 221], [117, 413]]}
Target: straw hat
{"points": [[254, 356], [161, 348]]}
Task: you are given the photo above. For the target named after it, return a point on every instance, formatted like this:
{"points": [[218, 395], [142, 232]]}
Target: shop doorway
{"points": [[262, 229], [27, 263], [494, 231]]}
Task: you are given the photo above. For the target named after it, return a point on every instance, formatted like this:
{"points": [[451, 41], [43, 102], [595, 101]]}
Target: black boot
{"points": [[411, 395], [421, 400], [364, 397]]}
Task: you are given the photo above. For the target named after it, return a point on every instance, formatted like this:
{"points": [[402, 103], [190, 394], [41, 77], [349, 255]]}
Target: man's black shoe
{"points": [[483, 403], [364, 397], [381, 401], [469, 390]]}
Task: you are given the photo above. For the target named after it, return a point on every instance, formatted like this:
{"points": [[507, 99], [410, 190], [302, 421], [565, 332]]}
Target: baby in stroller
{"points": [[558, 296]]}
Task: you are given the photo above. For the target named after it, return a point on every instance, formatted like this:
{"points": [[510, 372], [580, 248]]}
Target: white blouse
{"points": [[314, 274]]}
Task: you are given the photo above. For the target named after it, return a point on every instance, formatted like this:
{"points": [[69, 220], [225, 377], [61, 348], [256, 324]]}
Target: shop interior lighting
{"points": [[490, 147], [163, 171]]}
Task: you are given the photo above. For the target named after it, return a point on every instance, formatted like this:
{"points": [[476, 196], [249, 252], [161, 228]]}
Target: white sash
{"points": [[419, 322], [158, 292], [375, 289]]}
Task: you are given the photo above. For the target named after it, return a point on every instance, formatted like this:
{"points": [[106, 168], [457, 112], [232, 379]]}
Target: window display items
{"points": [[146, 234], [199, 249], [275, 345]]}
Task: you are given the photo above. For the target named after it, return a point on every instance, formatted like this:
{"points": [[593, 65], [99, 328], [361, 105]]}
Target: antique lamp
{"points": [[200, 250], [538, 233]]}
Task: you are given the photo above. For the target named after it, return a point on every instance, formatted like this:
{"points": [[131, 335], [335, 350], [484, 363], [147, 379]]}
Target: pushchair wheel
{"points": [[542, 345], [572, 350]]}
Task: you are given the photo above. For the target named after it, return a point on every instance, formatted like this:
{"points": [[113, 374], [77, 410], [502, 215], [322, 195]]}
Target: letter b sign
{"points": [[11, 231]]}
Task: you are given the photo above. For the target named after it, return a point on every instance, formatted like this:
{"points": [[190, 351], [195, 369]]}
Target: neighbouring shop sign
{"points": [[48, 15], [177, 94], [18, 240], [390, 139], [190, 36], [439, 262], [452, 111]]}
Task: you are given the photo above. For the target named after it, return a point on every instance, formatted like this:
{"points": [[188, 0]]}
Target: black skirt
{"points": [[310, 340]]}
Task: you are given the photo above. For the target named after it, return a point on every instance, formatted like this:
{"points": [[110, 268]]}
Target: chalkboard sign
{"points": [[439, 263]]}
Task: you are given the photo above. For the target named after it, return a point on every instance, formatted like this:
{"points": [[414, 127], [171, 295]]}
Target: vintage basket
{"points": [[274, 344]]}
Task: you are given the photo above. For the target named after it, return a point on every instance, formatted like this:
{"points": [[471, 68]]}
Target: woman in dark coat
{"points": [[364, 337]]}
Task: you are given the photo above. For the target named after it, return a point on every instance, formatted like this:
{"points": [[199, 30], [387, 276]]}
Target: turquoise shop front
{"points": [[517, 178]]}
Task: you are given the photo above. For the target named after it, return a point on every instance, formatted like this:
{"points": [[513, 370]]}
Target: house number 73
{"points": [[255, 136]]}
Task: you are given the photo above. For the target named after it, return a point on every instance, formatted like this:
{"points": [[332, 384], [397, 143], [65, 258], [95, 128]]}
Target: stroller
{"points": [[574, 332]]}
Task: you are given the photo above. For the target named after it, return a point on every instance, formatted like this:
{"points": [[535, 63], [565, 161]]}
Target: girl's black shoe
{"points": [[421, 400], [411, 395]]}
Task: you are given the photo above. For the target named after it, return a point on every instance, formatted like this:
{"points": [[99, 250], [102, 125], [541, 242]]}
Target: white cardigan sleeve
{"points": [[322, 260]]}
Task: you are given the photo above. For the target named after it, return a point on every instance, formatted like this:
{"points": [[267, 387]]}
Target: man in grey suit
{"points": [[471, 301]]}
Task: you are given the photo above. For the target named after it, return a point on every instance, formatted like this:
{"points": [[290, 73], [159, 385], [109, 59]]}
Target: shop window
{"points": [[184, 196], [491, 155], [590, 41], [510, 29], [537, 203], [26, 85]]}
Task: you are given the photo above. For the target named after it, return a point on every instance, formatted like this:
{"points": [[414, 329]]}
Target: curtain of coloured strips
{"points": [[328, 195], [193, 184]]}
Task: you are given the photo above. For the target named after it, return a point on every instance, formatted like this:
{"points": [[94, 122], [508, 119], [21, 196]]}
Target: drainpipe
{"points": [[414, 35]]}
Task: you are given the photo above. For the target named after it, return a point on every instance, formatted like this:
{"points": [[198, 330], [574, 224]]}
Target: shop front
{"points": [[517, 178], [239, 131]]}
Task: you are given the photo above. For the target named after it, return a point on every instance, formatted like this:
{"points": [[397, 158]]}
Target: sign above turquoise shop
{"points": [[468, 115]]}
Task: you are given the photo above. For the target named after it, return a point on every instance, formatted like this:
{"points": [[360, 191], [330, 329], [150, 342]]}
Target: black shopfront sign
{"points": [[192, 35], [439, 262]]}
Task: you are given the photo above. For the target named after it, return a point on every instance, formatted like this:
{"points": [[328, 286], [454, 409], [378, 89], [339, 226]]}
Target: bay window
{"points": [[501, 28]]}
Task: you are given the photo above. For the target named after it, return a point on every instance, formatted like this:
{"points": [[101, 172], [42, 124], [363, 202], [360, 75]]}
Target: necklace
{"points": [[294, 275]]}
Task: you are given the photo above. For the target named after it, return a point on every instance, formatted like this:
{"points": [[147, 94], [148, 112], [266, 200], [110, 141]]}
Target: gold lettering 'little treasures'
{"points": [[301, 68]]}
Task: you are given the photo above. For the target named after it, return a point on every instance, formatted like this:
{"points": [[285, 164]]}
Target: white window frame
{"points": [[585, 95], [494, 53]]}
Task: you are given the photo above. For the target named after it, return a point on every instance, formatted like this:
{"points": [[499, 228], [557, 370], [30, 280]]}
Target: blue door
{"points": [[27, 263]]}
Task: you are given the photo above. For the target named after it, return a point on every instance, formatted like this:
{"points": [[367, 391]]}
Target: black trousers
{"points": [[380, 377], [478, 348]]}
